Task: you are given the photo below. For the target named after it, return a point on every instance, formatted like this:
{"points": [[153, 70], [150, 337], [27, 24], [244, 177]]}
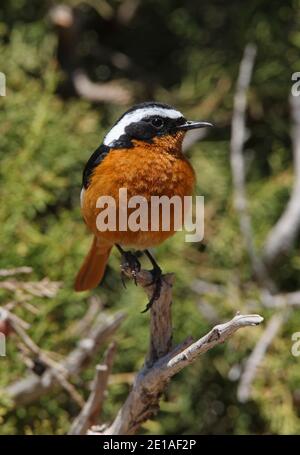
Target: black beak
{"points": [[193, 125]]}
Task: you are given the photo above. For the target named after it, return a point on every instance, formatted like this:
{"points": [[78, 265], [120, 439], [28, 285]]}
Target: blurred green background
{"points": [[186, 53]]}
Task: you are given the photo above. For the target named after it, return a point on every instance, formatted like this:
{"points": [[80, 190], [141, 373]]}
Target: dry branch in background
{"points": [[33, 387], [256, 357], [237, 161], [69, 24], [16, 271], [43, 288], [106, 92], [92, 408], [283, 235], [290, 299], [163, 361]]}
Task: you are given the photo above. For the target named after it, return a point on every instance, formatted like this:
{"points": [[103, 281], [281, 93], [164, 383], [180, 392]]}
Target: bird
{"points": [[142, 152]]}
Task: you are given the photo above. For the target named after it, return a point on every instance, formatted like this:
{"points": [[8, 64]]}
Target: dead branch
{"points": [[205, 287], [69, 24], [33, 387], [237, 141], [258, 354], [43, 288], [93, 406], [290, 299], [283, 235], [106, 92], [143, 400], [163, 361], [16, 271], [56, 369]]}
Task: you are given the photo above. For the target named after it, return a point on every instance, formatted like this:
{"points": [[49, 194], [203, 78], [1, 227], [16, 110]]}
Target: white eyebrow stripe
{"points": [[135, 116]]}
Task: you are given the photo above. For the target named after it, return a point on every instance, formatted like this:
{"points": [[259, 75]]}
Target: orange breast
{"points": [[145, 170]]}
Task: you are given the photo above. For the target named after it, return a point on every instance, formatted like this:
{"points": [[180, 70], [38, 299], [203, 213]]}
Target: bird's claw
{"points": [[157, 283], [130, 262]]}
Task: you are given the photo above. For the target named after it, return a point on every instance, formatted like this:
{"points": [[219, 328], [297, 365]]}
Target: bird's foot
{"points": [[129, 262], [157, 284]]}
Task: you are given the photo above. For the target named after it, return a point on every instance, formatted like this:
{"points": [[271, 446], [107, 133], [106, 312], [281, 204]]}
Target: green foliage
{"points": [[192, 53]]}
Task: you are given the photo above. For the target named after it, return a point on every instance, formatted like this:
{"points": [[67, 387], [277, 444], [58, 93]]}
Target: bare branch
{"points": [[205, 287], [93, 406], [56, 369], [283, 235], [258, 354], [43, 288], [33, 387], [238, 138], [16, 271], [163, 361], [291, 299], [70, 24], [217, 335], [107, 92], [150, 383]]}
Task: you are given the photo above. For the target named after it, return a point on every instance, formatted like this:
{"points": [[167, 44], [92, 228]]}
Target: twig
{"points": [[257, 355], [43, 288], [283, 235], [33, 387], [92, 408], [6, 314], [57, 370], [16, 271]]}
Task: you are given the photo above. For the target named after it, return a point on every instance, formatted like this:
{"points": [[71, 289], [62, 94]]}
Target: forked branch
{"points": [[164, 361]]}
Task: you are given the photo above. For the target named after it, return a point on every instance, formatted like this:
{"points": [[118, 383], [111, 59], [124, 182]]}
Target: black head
{"points": [[146, 121]]}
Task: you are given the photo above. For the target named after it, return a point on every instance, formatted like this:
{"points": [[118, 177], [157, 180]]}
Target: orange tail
{"points": [[93, 267]]}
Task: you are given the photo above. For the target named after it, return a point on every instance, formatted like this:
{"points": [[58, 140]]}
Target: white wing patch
{"points": [[119, 129], [82, 197]]}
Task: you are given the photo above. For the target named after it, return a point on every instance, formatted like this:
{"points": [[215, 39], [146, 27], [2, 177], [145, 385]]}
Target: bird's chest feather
{"points": [[142, 172]]}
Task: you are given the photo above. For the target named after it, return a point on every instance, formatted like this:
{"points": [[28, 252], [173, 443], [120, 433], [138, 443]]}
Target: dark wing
{"points": [[94, 160]]}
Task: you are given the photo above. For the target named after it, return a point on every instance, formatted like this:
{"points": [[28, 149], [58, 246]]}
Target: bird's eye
{"points": [[157, 122]]}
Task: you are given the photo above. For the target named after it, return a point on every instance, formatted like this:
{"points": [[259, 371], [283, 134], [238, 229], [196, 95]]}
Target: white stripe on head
{"points": [[136, 116]]}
